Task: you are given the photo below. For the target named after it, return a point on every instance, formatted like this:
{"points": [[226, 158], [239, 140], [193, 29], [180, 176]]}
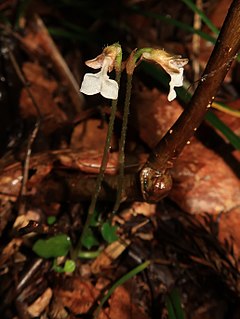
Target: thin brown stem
{"points": [[122, 143]]}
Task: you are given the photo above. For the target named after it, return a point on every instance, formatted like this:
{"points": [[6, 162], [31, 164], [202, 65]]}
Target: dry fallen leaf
{"points": [[39, 305], [203, 182], [41, 86], [108, 255], [123, 307]]}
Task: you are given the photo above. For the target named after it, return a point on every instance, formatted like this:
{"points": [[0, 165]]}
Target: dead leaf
{"points": [[40, 304], [122, 306], [79, 295], [108, 255], [41, 86], [203, 182]]}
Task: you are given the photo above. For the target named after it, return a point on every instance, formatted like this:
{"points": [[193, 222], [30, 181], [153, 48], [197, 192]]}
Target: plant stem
{"points": [[225, 51], [121, 156], [100, 176], [120, 282]]}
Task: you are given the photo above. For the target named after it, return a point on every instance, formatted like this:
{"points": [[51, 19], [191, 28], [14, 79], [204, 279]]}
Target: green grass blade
{"points": [[202, 15], [174, 307], [226, 109], [170, 309], [120, 282], [224, 129]]}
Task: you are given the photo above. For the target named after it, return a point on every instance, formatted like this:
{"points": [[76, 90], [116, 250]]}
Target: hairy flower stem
{"points": [[225, 51], [100, 176], [121, 156]]}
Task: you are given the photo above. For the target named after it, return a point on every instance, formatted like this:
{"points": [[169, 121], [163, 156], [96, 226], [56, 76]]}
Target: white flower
{"points": [[173, 65], [100, 82], [176, 81]]}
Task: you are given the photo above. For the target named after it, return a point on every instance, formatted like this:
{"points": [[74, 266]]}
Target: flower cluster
{"points": [[107, 61]]}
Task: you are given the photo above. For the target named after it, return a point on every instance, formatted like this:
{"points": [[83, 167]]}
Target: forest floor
{"points": [[52, 140]]}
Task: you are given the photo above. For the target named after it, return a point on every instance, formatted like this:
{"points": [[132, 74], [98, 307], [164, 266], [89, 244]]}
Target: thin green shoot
{"points": [[202, 15], [120, 282], [224, 129], [174, 307], [89, 254], [226, 109]]}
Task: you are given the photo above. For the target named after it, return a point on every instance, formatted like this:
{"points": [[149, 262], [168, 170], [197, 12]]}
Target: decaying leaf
{"points": [[39, 305]]}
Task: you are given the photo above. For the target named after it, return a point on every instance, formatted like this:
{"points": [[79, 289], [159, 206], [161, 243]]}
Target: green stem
{"points": [[121, 156], [101, 173], [202, 15], [120, 282]]}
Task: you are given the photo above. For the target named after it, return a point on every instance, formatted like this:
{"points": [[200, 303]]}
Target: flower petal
{"points": [[96, 63], [109, 88], [91, 83], [172, 64], [176, 81]]}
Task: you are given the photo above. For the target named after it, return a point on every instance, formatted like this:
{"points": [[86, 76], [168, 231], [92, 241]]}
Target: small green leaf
{"points": [[52, 247], [89, 254], [51, 220], [94, 222], [89, 240], [109, 232], [69, 266], [57, 268]]}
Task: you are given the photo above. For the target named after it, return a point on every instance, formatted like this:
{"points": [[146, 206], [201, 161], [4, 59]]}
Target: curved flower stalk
{"points": [[172, 64], [100, 82]]}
